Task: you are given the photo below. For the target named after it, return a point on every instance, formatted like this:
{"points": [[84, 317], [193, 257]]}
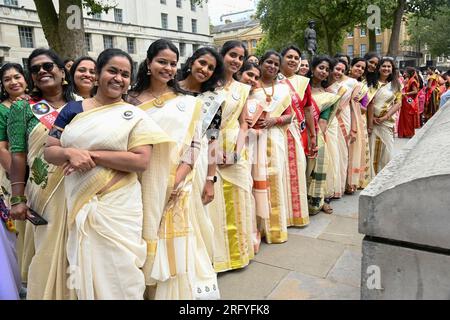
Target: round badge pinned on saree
{"points": [[128, 115], [181, 106], [236, 95]]}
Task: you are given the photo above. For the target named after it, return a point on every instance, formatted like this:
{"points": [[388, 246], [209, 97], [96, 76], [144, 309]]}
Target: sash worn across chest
{"points": [[45, 113]]}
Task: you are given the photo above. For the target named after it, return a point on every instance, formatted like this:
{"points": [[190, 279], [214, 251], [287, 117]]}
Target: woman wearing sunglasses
{"points": [[28, 127]]}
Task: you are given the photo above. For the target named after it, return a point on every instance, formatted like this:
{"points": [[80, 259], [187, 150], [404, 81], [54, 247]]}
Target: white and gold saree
{"points": [[382, 138], [105, 246], [174, 257], [270, 167], [232, 209]]}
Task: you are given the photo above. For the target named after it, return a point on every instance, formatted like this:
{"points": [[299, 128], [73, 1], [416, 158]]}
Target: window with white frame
{"points": [[118, 15], [164, 21], [350, 51], [362, 32], [26, 37], [88, 41], [194, 26], [14, 3], [379, 47], [350, 34], [193, 7], [131, 45], [108, 42], [180, 23], [362, 49], [179, 4], [182, 49]]}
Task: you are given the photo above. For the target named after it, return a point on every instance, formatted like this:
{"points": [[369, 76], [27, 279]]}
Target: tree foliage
{"points": [[432, 30], [67, 42], [285, 20]]}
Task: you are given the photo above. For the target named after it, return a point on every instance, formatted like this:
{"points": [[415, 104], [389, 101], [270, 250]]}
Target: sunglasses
{"points": [[47, 66]]}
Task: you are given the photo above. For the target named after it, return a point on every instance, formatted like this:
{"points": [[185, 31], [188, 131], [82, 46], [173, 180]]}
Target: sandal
{"points": [[327, 208]]}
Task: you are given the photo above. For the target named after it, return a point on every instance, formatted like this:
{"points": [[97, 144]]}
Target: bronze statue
{"points": [[311, 38]]}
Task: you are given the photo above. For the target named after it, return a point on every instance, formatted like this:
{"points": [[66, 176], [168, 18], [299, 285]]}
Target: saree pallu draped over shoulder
{"points": [[47, 272], [319, 168], [270, 169], [382, 138], [296, 148], [168, 224], [232, 208], [105, 246]]}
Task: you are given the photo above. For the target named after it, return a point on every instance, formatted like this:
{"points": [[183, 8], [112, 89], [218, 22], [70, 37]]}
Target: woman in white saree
{"points": [[382, 114], [168, 183], [102, 143]]}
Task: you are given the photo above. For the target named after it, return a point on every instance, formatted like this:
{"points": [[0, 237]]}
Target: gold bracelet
{"points": [[17, 183]]}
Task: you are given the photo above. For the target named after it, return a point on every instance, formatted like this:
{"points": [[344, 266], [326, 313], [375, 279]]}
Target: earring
{"points": [[65, 83], [27, 90], [35, 90], [189, 70], [149, 73]]}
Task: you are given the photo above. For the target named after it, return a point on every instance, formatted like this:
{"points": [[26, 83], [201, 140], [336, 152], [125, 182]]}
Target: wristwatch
{"points": [[212, 178]]}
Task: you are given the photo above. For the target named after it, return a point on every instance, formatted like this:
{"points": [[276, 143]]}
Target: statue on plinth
{"points": [[311, 38]]}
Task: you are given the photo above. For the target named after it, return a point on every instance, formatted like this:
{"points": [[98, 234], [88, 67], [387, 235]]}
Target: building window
{"points": [[131, 45], [362, 49], [362, 32], [178, 3], [193, 7], [182, 49], [350, 34], [164, 21], [26, 37], [195, 47], [350, 51], [254, 43], [162, 1], [440, 59], [97, 16], [118, 15], [108, 42], [194, 25], [25, 64], [88, 41], [14, 3], [379, 48], [180, 23], [377, 31]]}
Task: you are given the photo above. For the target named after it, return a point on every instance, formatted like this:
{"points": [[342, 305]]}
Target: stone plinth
{"points": [[406, 209]]}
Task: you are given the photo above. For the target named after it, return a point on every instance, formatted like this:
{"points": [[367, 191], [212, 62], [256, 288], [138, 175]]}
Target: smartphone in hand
{"points": [[37, 220]]}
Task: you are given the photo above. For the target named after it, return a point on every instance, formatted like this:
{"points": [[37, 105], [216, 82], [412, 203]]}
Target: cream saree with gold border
{"points": [[270, 168], [232, 209], [176, 260], [382, 138], [105, 246]]}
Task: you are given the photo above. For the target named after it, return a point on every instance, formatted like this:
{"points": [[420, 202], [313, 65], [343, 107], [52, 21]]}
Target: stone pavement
{"points": [[319, 262]]}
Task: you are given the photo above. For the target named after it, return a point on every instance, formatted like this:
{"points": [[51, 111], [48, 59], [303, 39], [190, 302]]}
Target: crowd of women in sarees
{"points": [[150, 188]]}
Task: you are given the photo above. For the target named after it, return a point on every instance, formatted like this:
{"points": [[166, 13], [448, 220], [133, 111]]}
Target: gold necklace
{"points": [[158, 102], [268, 96]]}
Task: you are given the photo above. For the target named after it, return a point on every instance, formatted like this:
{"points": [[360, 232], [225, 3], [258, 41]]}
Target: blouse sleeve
{"points": [[192, 153], [3, 123], [19, 118], [65, 117], [326, 114], [308, 97]]}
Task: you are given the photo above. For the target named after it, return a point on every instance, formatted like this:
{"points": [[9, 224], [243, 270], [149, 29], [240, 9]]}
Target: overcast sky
{"points": [[220, 7]]}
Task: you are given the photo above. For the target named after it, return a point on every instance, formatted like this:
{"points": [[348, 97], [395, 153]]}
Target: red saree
{"points": [[409, 112]]}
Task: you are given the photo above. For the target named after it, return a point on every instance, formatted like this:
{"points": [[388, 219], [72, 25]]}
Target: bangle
{"points": [[17, 183], [15, 200]]}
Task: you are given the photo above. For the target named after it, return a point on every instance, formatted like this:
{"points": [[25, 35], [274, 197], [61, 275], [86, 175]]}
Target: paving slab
{"points": [[255, 282], [343, 230], [310, 256], [317, 226], [299, 286], [347, 269], [347, 206]]}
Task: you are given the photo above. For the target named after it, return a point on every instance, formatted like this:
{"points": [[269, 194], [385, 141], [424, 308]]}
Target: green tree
{"points": [[420, 30], [64, 30], [285, 21], [417, 8]]}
